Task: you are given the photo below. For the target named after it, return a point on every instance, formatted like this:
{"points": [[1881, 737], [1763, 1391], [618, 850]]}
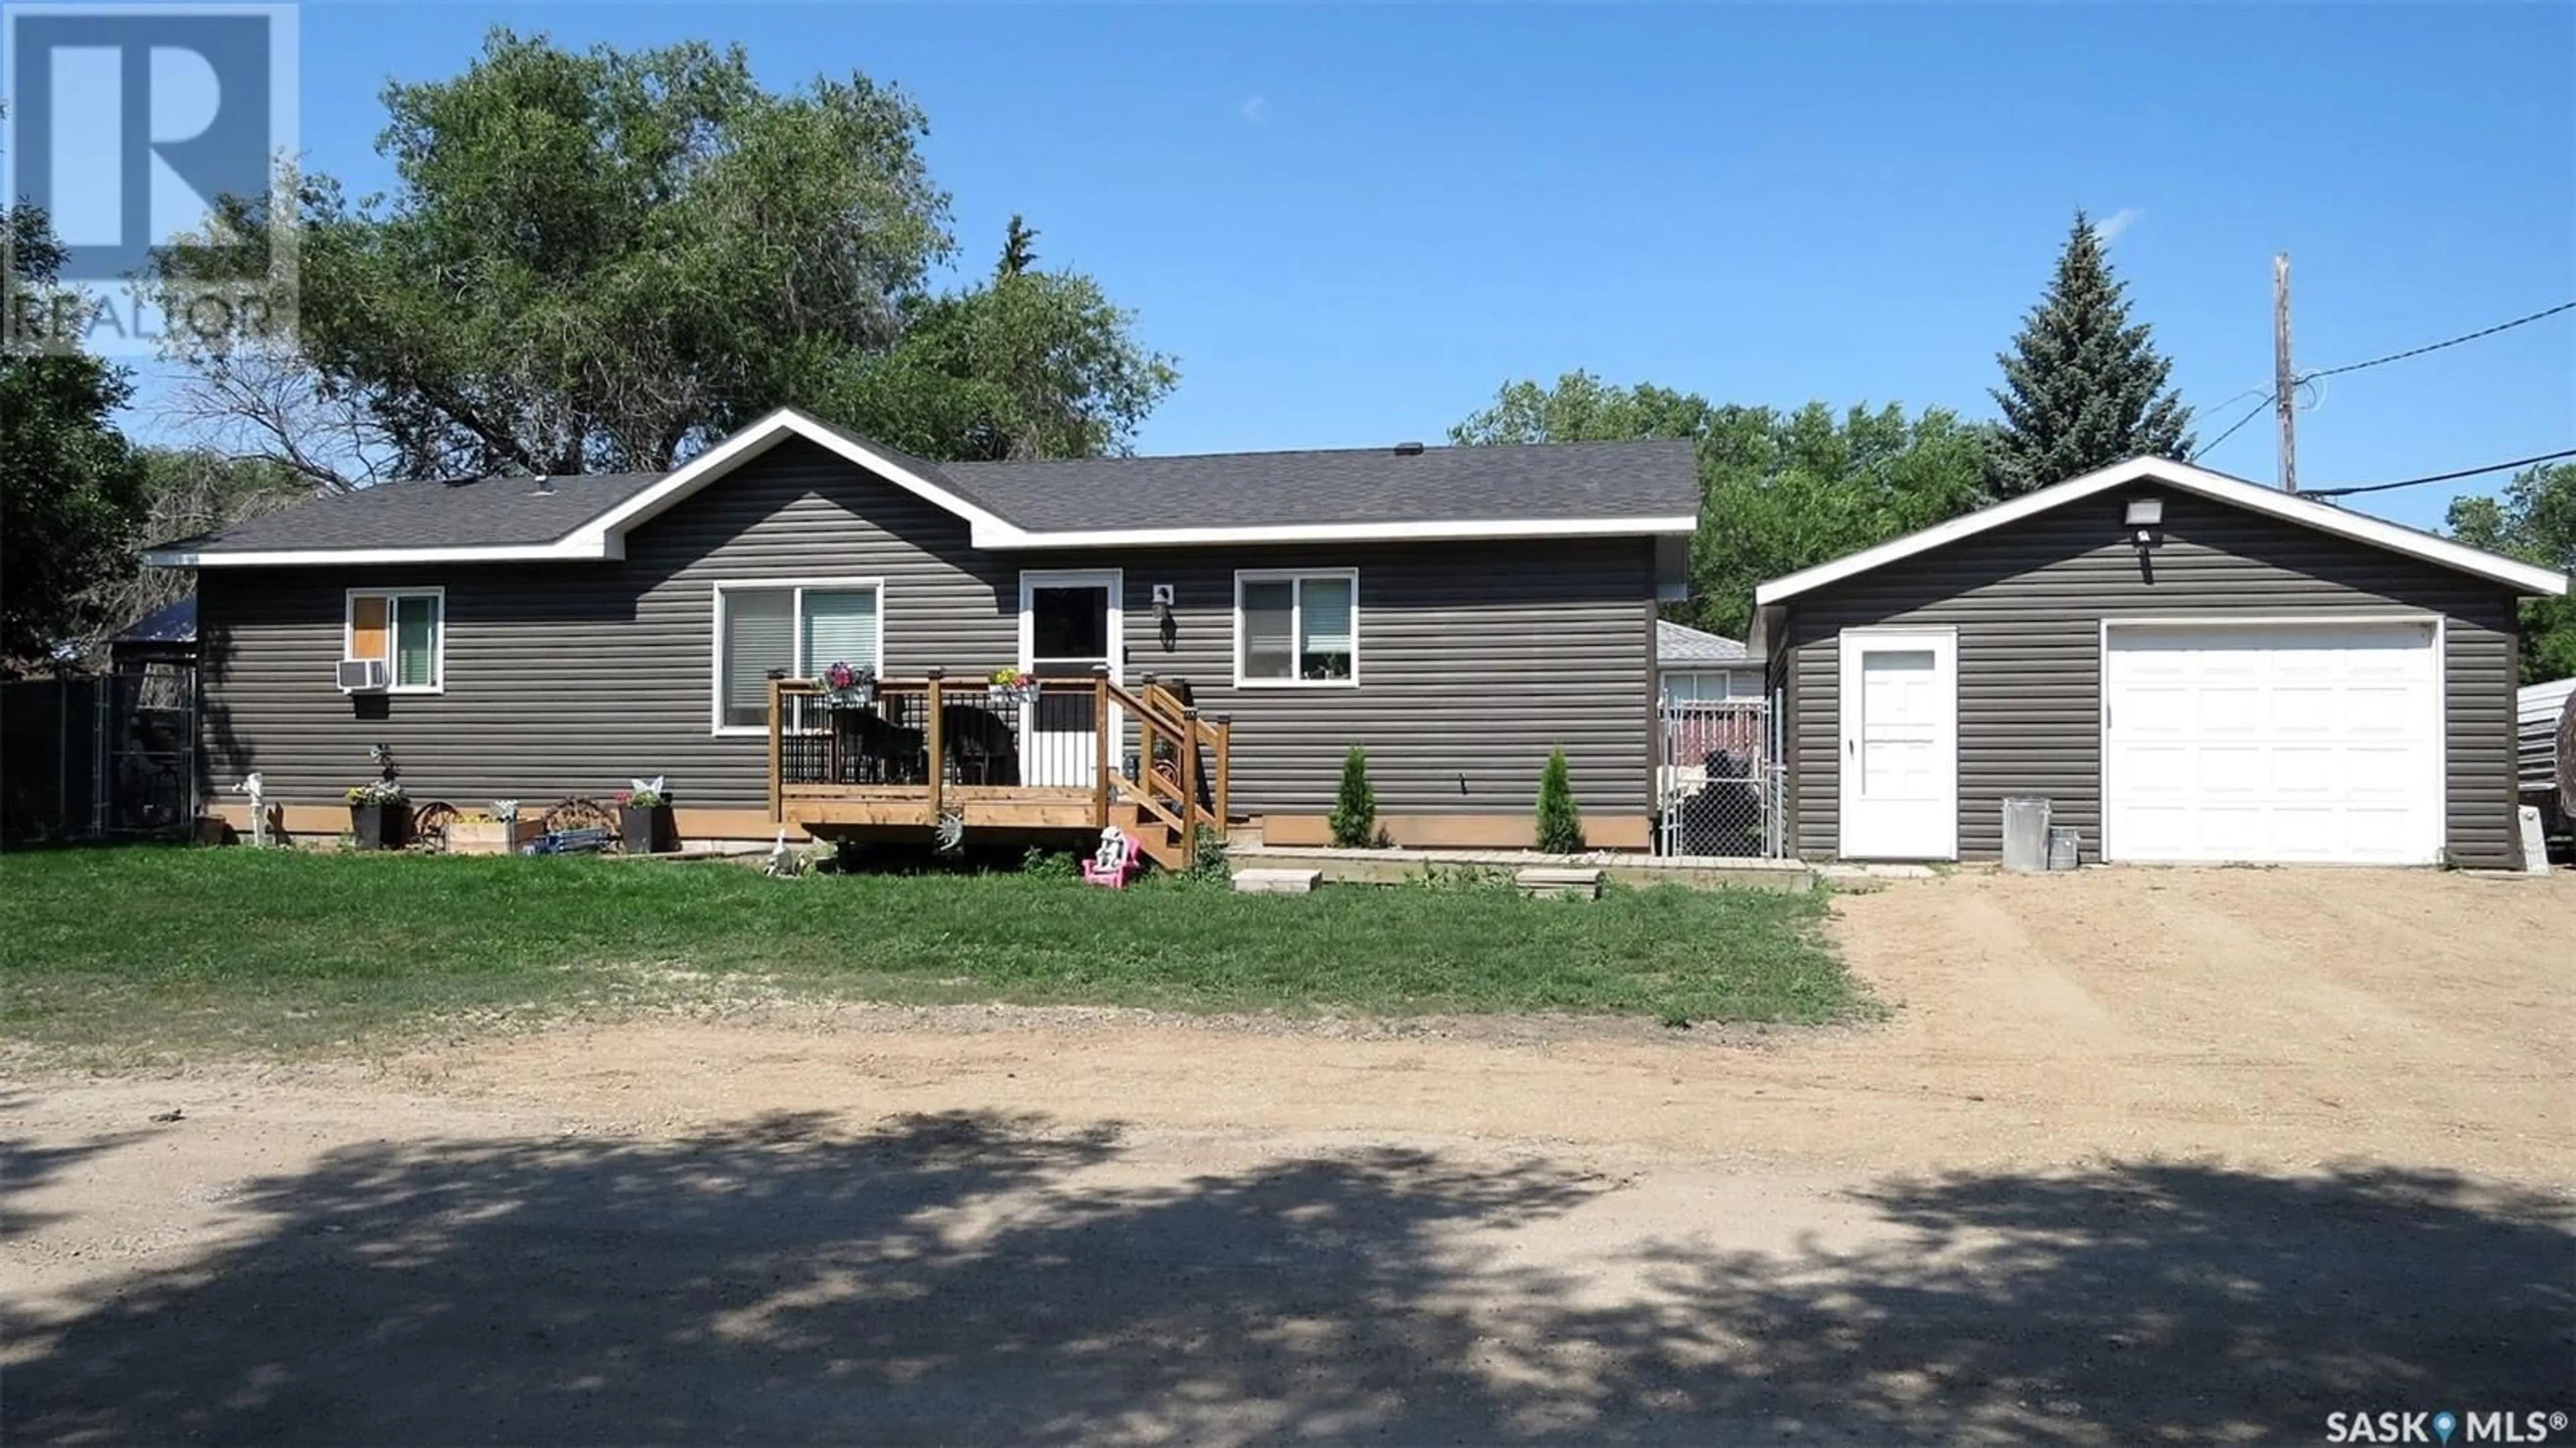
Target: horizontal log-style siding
{"points": [[570, 678], [2028, 600]]}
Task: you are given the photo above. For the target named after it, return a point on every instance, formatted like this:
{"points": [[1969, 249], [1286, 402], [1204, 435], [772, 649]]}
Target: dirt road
{"points": [[2189, 1155]]}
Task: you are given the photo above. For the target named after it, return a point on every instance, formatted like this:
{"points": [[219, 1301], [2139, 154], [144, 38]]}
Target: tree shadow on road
{"points": [[981, 1277]]}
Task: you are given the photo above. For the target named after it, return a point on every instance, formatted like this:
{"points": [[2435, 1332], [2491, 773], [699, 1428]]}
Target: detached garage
{"points": [[2190, 667]]}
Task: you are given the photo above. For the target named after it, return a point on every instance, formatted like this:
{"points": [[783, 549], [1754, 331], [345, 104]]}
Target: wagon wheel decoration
{"points": [[429, 823], [576, 813]]}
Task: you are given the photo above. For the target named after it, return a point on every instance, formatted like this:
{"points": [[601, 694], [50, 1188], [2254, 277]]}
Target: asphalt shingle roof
{"points": [[1547, 482], [433, 515], [1552, 481], [1678, 647]]}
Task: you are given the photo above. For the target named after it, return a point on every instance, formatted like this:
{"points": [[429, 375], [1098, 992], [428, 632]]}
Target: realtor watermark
{"points": [[136, 131], [2444, 1426]]}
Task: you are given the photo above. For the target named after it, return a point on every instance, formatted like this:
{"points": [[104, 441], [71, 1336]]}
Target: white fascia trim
{"points": [[462, 553], [1351, 532], [2251, 496]]}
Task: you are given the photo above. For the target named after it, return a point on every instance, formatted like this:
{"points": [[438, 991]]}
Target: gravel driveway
{"points": [[2138, 1155]]}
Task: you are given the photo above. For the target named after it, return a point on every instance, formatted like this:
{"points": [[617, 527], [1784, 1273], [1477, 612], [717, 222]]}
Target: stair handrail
{"points": [[1159, 710]]}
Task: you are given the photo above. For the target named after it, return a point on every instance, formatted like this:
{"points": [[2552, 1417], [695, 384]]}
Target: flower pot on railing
{"points": [[848, 688], [647, 829]]}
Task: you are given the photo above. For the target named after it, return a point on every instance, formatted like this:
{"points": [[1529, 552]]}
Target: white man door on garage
{"points": [[2270, 742]]}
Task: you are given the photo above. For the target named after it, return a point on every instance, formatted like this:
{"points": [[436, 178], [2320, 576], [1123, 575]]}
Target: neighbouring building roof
{"points": [[1680, 647], [174, 623], [1555, 490]]}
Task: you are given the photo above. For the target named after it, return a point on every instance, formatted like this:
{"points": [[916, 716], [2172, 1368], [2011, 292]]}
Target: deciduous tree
{"points": [[601, 261], [71, 487], [1778, 491], [2535, 521]]}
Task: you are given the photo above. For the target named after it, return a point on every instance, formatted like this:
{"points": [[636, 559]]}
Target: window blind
{"points": [[1269, 629], [840, 628], [759, 635], [415, 641], [1328, 615]]}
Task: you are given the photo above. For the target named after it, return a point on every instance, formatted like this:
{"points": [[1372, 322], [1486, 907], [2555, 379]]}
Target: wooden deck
{"points": [[945, 757]]}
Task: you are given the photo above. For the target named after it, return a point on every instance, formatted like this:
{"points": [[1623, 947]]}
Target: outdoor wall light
{"points": [[2141, 519], [1164, 625]]}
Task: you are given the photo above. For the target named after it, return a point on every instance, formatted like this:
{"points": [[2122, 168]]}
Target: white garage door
{"points": [[2272, 742]]}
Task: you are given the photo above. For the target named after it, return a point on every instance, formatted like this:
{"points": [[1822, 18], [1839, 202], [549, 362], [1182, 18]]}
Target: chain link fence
{"points": [[1719, 784]]}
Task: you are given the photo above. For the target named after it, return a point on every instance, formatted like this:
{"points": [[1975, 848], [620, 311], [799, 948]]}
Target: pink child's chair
{"points": [[1114, 863]]}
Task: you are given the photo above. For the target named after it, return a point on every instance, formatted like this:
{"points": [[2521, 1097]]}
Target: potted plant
{"points": [[1012, 686], [379, 815], [848, 688], [644, 818]]}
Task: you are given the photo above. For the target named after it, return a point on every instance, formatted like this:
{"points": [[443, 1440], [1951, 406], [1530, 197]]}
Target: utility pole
{"points": [[2285, 387]]}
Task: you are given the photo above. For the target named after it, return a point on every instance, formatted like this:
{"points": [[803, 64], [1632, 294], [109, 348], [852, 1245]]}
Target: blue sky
{"points": [[1351, 224]]}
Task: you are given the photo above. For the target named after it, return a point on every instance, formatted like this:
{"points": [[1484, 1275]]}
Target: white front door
{"points": [[1071, 622], [2272, 742], [1900, 744]]}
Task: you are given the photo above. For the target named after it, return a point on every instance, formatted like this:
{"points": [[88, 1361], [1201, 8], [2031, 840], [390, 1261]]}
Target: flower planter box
{"points": [[379, 826], [647, 831], [491, 837]]}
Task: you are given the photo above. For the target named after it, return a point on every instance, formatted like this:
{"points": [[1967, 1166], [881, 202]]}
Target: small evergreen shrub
{"points": [[1354, 817], [1560, 819]]}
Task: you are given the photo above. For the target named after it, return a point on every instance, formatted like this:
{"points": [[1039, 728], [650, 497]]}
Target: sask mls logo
{"points": [[127, 124], [2443, 1427]]}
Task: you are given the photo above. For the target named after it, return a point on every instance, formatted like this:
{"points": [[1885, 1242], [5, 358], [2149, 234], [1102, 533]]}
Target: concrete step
{"points": [[1557, 881], [1276, 882]]}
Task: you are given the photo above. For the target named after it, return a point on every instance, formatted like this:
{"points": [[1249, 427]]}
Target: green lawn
{"points": [[138, 953]]}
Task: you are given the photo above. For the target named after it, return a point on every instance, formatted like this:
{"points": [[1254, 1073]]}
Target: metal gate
{"points": [[1719, 783]]}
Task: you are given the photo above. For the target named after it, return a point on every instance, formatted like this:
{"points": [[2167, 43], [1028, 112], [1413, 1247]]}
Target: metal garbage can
{"points": [[2025, 834], [2065, 847]]}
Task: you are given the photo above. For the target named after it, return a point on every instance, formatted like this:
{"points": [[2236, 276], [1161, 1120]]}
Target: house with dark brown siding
{"points": [[1457, 612], [2185, 666]]}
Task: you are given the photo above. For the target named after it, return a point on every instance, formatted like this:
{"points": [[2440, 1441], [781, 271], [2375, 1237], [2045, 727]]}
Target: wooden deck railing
{"points": [[1050, 758]]}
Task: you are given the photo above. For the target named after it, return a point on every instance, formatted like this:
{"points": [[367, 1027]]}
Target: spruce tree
{"points": [[2083, 388], [1560, 819], [1354, 817]]}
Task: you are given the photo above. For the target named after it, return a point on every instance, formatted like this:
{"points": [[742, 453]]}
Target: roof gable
{"points": [[2254, 497]]}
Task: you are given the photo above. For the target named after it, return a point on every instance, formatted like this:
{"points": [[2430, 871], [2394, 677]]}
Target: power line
{"points": [[2305, 377], [2439, 477], [2256, 412], [2438, 346]]}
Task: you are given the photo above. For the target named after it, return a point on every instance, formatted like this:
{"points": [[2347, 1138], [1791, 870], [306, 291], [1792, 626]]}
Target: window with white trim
{"points": [[405, 629], [1707, 686], [1297, 627], [792, 631]]}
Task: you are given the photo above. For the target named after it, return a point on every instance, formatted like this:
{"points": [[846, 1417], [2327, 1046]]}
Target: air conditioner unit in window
{"points": [[363, 676]]}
